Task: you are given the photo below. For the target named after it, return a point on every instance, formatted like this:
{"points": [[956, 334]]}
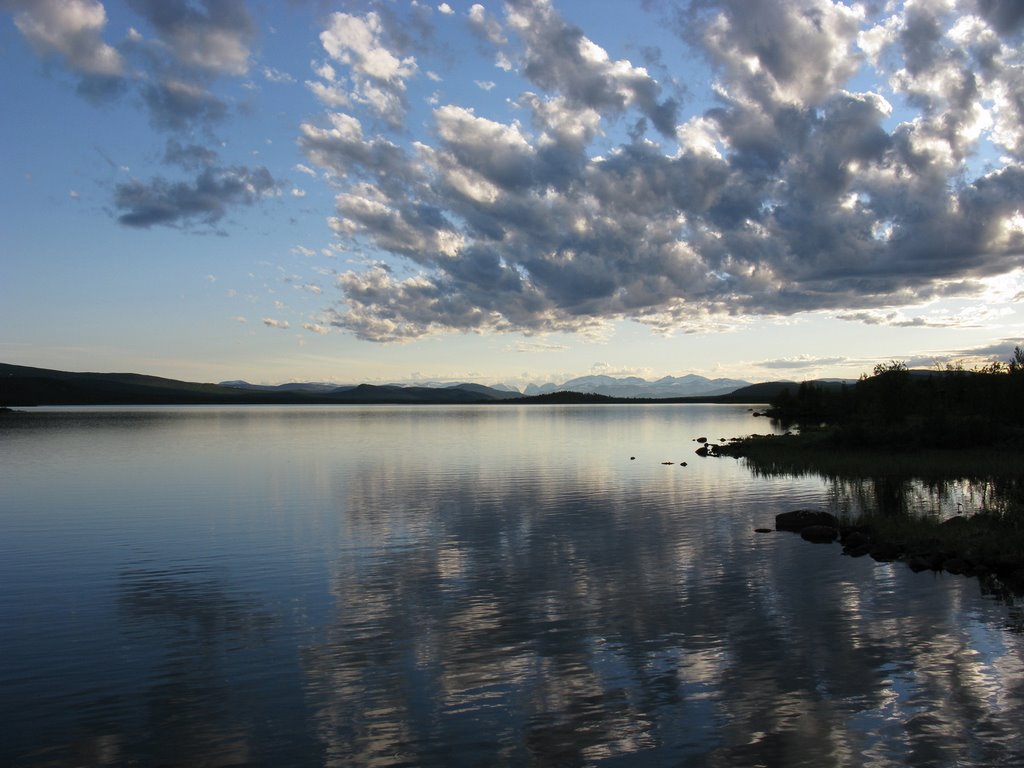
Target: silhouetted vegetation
{"points": [[901, 408]]}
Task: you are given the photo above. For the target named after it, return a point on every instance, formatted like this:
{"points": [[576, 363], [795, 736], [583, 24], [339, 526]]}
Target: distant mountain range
{"points": [[690, 385], [26, 386], [626, 387]]}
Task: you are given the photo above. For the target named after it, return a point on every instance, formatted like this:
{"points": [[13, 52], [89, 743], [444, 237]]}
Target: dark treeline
{"points": [[901, 408]]}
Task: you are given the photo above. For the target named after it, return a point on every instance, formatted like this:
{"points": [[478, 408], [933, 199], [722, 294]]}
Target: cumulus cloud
{"points": [[858, 158], [271, 322], [71, 29], [376, 74], [559, 58], [208, 35]]}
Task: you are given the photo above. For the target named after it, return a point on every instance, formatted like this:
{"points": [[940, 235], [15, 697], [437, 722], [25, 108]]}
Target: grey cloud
{"points": [[204, 200], [792, 194], [208, 35], [559, 58], [342, 149], [190, 157], [1007, 16], [177, 106], [804, 50]]}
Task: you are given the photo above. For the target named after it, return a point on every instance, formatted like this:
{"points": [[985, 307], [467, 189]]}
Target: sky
{"points": [[510, 192]]}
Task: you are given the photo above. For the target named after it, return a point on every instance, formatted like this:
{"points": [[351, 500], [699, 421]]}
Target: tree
{"points": [[1016, 364], [893, 366]]}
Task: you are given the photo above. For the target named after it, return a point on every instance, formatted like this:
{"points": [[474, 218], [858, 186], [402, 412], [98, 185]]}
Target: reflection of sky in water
{"points": [[450, 586]]}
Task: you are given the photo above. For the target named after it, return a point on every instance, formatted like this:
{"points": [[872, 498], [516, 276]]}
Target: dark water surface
{"points": [[435, 586]]}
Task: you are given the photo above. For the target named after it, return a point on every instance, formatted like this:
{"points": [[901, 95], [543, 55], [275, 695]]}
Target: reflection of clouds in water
{"points": [[198, 627], [519, 618]]}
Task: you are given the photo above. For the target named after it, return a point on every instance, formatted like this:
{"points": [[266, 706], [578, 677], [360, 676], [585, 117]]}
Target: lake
{"points": [[464, 586]]}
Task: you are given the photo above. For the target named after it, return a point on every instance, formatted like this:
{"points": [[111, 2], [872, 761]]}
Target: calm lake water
{"points": [[463, 586]]}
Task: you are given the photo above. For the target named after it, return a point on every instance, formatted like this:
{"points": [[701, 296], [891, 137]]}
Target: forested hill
{"points": [[22, 386], [902, 408]]}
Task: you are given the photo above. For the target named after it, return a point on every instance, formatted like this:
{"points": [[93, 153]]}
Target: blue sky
{"points": [[510, 192]]}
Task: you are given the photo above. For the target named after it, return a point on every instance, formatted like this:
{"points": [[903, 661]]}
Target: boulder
{"points": [[799, 519], [956, 565], [819, 534], [858, 551], [855, 540], [885, 551]]}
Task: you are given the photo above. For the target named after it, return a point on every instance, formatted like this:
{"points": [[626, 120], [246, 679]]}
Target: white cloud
{"points": [[277, 76], [72, 29]]}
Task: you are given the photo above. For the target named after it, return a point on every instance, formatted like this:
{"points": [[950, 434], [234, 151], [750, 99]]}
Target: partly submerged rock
{"points": [[819, 534], [799, 519], [885, 551]]}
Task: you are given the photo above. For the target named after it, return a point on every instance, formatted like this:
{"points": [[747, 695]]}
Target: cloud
{"points": [[536, 346], [559, 58], [377, 75], [272, 323], [203, 201], [212, 36], [485, 26], [276, 76], [803, 187], [190, 157], [176, 105], [801, 362], [71, 29]]}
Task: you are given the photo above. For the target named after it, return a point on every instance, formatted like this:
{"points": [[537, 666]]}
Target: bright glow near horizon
{"points": [[511, 192]]}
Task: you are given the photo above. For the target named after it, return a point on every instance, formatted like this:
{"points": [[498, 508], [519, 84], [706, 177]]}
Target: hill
{"points": [[25, 386]]}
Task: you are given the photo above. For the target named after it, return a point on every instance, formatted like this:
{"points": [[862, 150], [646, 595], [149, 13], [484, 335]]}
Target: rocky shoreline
{"points": [[967, 545]]}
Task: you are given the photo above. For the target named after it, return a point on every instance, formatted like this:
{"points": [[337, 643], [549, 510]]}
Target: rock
{"points": [[1015, 580], [918, 563], [885, 551], [632, 458], [956, 565], [819, 534], [932, 560], [799, 519], [702, 439], [859, 551], [855, 540], [764, 530]]}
